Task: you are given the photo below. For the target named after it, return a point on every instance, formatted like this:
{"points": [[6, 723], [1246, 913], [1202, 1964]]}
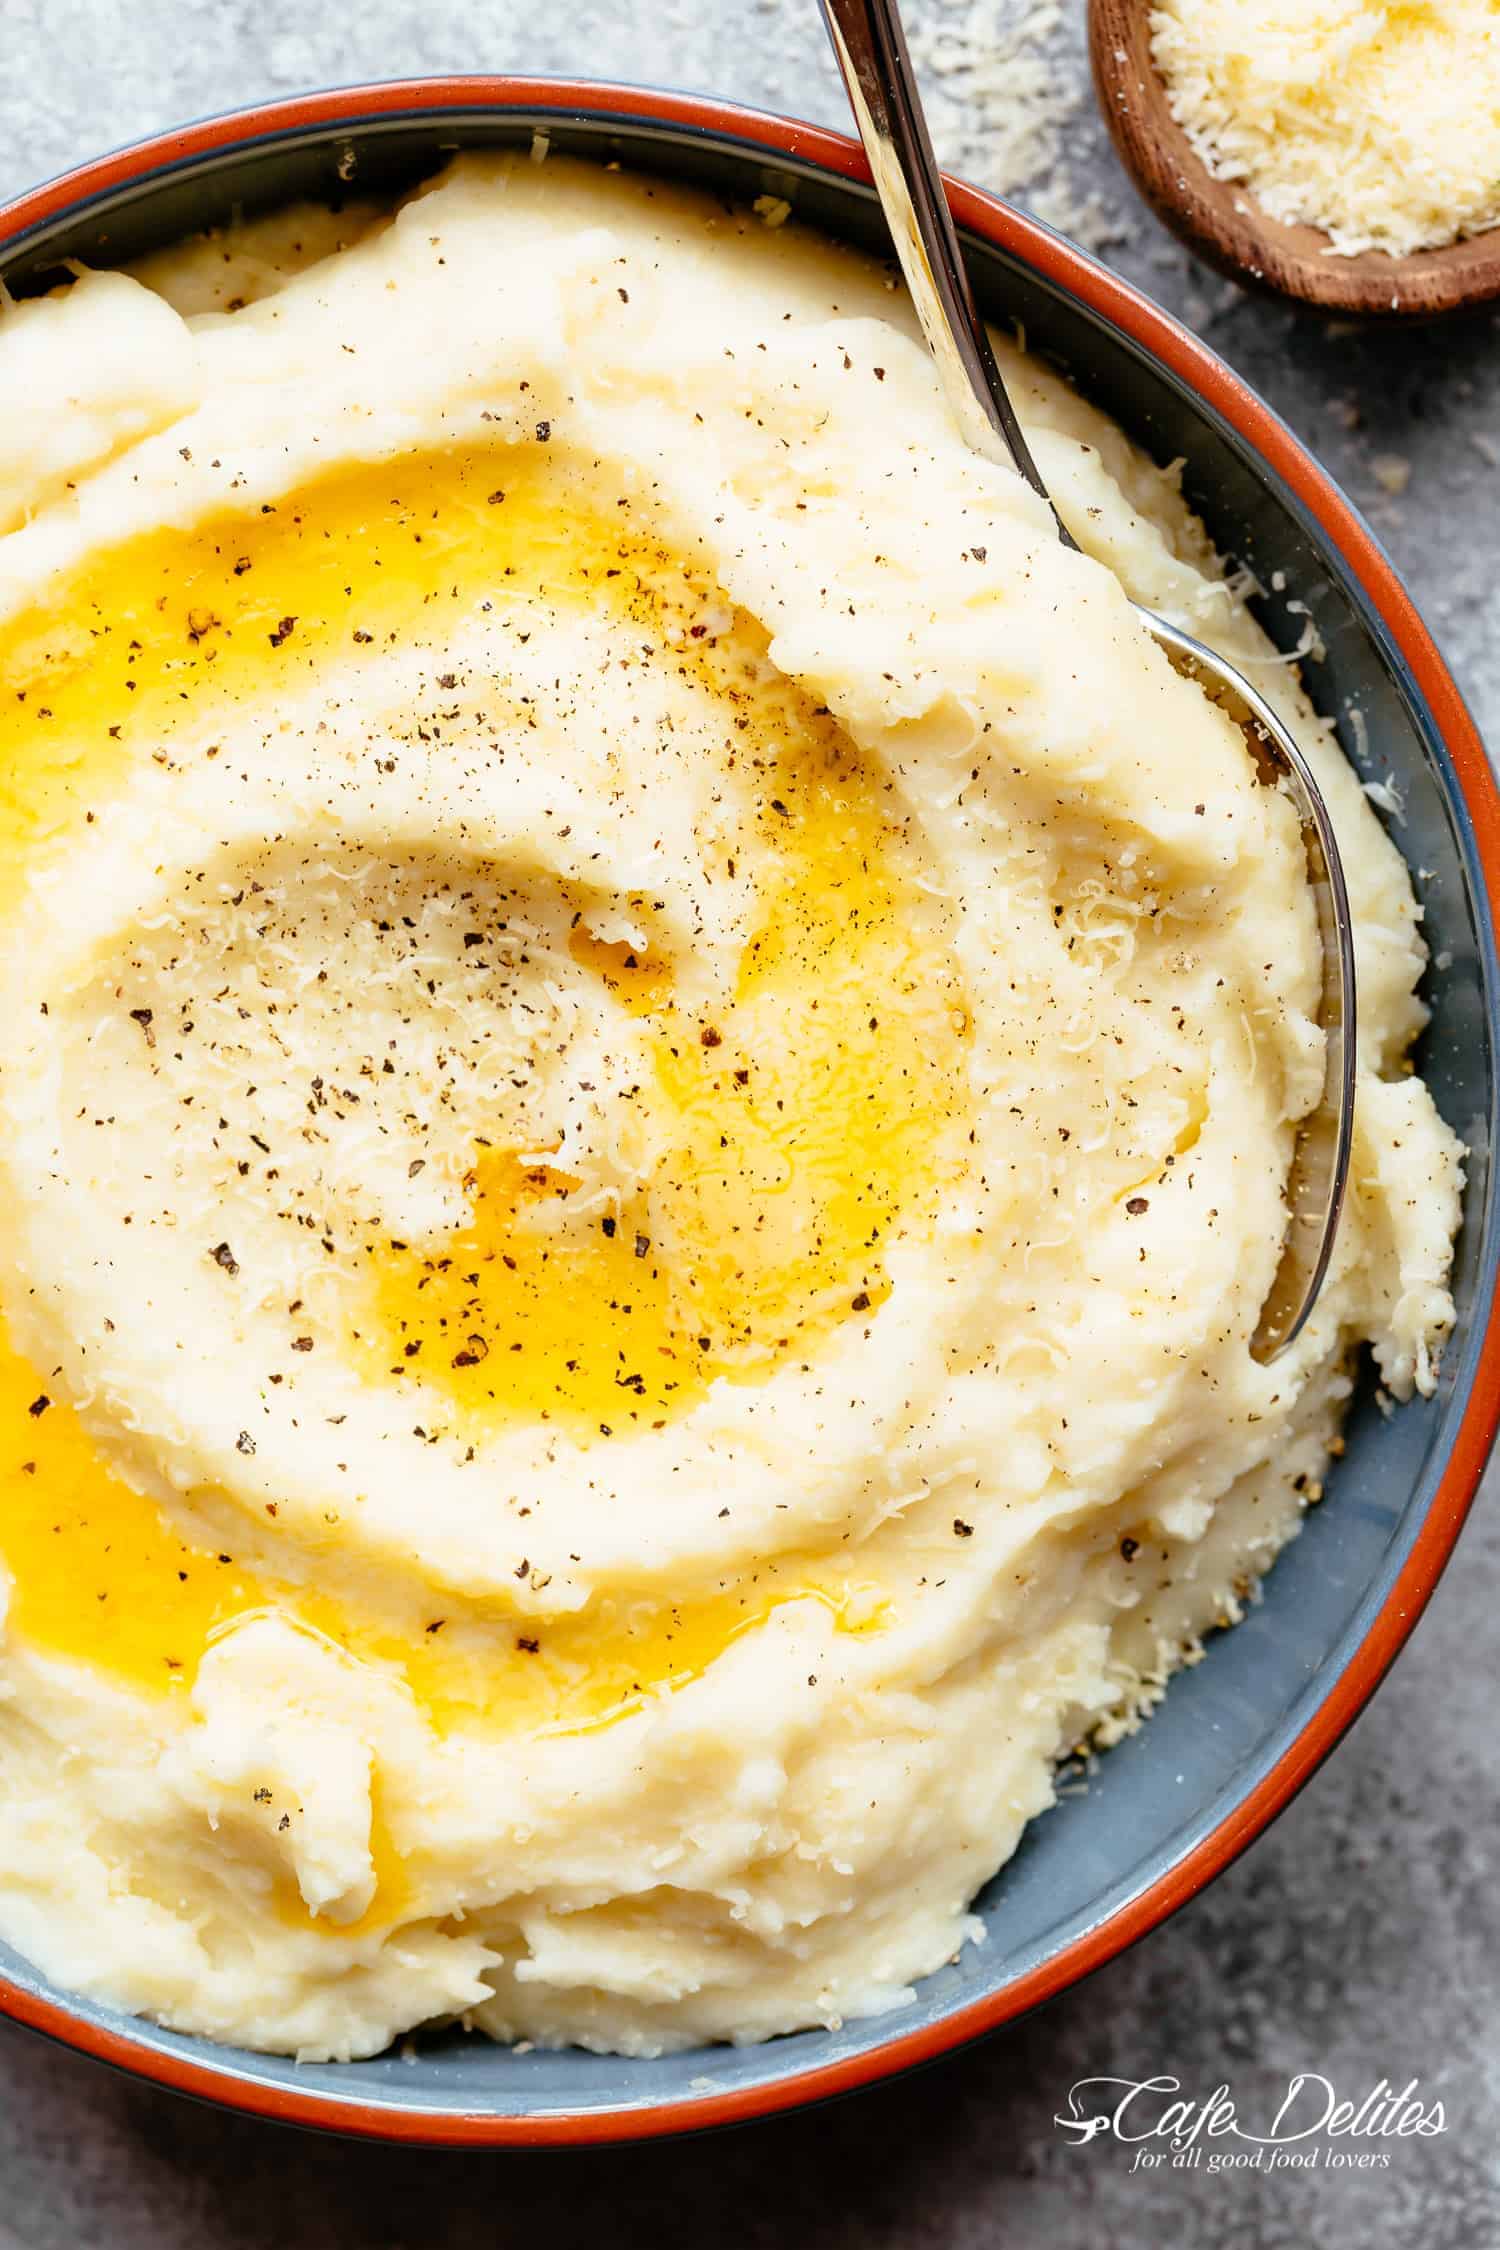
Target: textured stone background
{"points": [[1361, 1937]]}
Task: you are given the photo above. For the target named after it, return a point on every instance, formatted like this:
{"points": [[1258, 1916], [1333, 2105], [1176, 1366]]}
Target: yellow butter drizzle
{"points": [[98, 1574], [801, 1130], [797, 1124]]}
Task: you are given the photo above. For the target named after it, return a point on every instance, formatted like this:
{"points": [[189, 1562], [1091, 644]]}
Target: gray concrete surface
{"points": [[1361, 1938]]}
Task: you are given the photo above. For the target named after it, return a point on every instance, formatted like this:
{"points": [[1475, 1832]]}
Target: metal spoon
{"points": [[882, 88]]}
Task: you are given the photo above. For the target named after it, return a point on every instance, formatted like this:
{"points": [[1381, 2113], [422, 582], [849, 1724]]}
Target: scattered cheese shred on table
{"points": [[1376, 120]]}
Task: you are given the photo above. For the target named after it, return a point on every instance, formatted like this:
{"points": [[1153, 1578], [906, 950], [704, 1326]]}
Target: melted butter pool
{"points": [[799, 1127]]}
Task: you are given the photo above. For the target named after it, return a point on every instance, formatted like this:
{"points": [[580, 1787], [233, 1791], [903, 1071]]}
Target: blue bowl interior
{"points": [[1224, 1724]]}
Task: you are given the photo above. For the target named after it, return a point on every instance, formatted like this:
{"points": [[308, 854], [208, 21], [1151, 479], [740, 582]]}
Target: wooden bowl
{"points": [[1223, 223]]}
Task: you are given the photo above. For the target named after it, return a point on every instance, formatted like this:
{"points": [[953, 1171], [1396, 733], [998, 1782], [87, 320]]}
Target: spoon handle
{"points": [[871, 49], [872, 55]]}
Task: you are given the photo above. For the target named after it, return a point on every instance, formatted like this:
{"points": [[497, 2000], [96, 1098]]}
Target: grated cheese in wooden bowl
{"points": [[1376, 120]]}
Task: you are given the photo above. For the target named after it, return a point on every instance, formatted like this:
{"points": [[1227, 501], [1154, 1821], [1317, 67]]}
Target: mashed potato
{"points": [[651, 1055]]}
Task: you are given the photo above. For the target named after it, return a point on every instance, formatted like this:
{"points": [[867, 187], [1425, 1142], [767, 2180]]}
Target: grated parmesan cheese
{"points": [[1006, 88], [1375, 120]]}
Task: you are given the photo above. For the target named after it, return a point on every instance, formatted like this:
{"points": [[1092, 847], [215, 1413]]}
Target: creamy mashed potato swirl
{"points": [[651, 1061]]}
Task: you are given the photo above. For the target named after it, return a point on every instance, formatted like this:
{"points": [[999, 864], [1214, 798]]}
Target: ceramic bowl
{"points": [[1240, 1733]]}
